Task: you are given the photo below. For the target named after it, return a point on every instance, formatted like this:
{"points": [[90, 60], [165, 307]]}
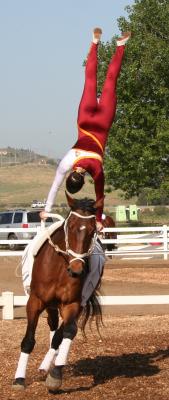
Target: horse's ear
{"points": [[70, 199]]}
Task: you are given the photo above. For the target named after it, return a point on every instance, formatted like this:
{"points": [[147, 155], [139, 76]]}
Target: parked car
{"points": [[20, 219], [38, 204]]}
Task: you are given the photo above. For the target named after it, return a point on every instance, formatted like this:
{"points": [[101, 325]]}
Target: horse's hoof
{"points": [[18, 384], [54, 379]]}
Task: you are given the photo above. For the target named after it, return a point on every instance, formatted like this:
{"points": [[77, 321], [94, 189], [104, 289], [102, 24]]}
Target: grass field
{"points": [[20, 184]]}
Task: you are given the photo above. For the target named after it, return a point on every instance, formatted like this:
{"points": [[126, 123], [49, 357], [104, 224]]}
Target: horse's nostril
{"points": [[70, 272]]}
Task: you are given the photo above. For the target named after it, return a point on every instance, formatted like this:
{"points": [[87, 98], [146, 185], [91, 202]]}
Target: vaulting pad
{"points": [[31, 251]]}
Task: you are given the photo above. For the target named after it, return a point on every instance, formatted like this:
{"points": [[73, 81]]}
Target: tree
{"points": [[137, 154]]}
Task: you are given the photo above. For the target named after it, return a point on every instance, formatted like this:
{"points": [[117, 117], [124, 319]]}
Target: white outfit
{"points": [[65, 165]]}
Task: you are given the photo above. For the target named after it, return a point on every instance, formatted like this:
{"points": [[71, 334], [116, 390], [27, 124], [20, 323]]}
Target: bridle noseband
{"points": [[69, 251]]}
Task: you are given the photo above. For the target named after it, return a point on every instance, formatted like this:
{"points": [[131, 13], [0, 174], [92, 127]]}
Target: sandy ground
{"points": [[119, 278], [152, 272], [131, 361]]}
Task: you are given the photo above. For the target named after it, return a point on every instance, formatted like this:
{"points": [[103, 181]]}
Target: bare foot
{"points": [[97, 32]]}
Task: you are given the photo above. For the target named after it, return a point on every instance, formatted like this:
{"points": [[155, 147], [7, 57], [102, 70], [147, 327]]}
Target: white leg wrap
{"points": [[22, 364], [64, 348], [45, 365]]}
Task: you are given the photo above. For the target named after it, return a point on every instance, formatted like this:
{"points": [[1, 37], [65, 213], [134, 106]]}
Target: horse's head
{"points": [[80, 232], [108, 222]]}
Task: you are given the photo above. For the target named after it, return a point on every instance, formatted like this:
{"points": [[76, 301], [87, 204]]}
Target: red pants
{"points": [[95, 117]]}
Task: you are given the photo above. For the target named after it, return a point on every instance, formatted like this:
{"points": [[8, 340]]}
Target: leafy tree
{"points": [[137, 154], [150, 196]]}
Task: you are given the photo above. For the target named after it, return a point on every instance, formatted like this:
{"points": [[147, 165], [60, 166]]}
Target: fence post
{"points": [[8, 303], [165, 237]]}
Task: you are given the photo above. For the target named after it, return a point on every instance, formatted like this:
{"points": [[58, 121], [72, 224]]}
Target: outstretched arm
{"points": [[64, 166], [59, 177]]}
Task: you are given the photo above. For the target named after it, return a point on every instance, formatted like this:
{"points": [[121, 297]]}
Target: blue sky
{"points": [[42, 47]]}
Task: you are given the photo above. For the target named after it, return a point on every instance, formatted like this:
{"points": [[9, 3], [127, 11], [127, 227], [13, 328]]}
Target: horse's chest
{"points": [[71, 292]]}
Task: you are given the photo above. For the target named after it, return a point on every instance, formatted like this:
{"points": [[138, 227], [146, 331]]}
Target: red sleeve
{"points": [[98, 176], [95, 169]]}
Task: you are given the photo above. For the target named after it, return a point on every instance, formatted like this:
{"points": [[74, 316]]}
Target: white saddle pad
{"points": [[31, 251], [43, 236]]}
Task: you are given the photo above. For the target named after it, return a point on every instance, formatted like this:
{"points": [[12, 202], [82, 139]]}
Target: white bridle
{"points": [[69, 251]]}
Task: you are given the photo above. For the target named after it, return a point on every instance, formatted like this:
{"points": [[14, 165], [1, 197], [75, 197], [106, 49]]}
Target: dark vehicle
{"points": [[20, 219]]}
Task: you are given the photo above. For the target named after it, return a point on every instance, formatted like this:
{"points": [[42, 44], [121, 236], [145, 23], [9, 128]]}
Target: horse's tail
{"points": [[92, 311]]}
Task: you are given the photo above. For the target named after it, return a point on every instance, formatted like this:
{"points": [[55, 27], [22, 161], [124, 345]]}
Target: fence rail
{"points": [[8, 301], [139, 235], [125, 236]]}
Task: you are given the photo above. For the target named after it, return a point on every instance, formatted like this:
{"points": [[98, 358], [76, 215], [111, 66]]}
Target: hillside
{"points": [[20, 184], [10, 156]]}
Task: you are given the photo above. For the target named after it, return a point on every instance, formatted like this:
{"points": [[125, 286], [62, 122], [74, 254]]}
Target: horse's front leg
{"points": [[70, 314], [34, 308], [53, 322]]}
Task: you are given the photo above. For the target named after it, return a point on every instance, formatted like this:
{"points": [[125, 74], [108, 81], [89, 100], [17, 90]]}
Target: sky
{"points": [[43, 44]]}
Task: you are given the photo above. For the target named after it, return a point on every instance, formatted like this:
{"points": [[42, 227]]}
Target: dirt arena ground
{"points": [[130, 362]]}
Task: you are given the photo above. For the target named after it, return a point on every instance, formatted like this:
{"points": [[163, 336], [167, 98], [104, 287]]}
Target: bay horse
{"points": [[58, 276], [108, 222]]}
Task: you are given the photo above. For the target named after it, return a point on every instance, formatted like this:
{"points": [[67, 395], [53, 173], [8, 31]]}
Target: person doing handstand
{"points": [[94, 122]]}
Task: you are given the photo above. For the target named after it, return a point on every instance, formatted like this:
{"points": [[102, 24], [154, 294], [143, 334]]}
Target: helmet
{"points": [[74, 182]]}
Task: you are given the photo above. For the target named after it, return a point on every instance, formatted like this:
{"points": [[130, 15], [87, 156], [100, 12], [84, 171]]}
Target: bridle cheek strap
{"points": [[68, 251]]}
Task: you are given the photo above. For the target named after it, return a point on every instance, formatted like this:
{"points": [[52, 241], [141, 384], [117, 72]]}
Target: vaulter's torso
{"points": [[91, 141]]}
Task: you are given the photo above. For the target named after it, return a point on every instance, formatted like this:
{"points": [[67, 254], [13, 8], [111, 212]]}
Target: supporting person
{"points": [[95, 118]]}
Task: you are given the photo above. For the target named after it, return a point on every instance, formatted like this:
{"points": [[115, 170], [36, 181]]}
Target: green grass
{"points": [[20, 184]]}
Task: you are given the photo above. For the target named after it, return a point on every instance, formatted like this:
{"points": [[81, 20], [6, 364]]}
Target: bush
{"points": [[51, 161], [155, 215], [150, 196], [161, 211]]}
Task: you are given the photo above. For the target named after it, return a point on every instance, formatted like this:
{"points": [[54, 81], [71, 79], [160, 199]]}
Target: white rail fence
{"points": [[8, 301], [147, 236]]}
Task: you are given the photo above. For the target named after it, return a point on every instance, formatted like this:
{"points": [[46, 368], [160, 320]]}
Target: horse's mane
{"points": [[85, 204]]}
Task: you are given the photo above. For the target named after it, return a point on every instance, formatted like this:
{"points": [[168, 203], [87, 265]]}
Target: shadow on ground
{"points": [[107, 367], [127, 365]]}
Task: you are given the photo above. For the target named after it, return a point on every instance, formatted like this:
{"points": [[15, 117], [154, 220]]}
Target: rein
{"points": [[69, 251]]}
